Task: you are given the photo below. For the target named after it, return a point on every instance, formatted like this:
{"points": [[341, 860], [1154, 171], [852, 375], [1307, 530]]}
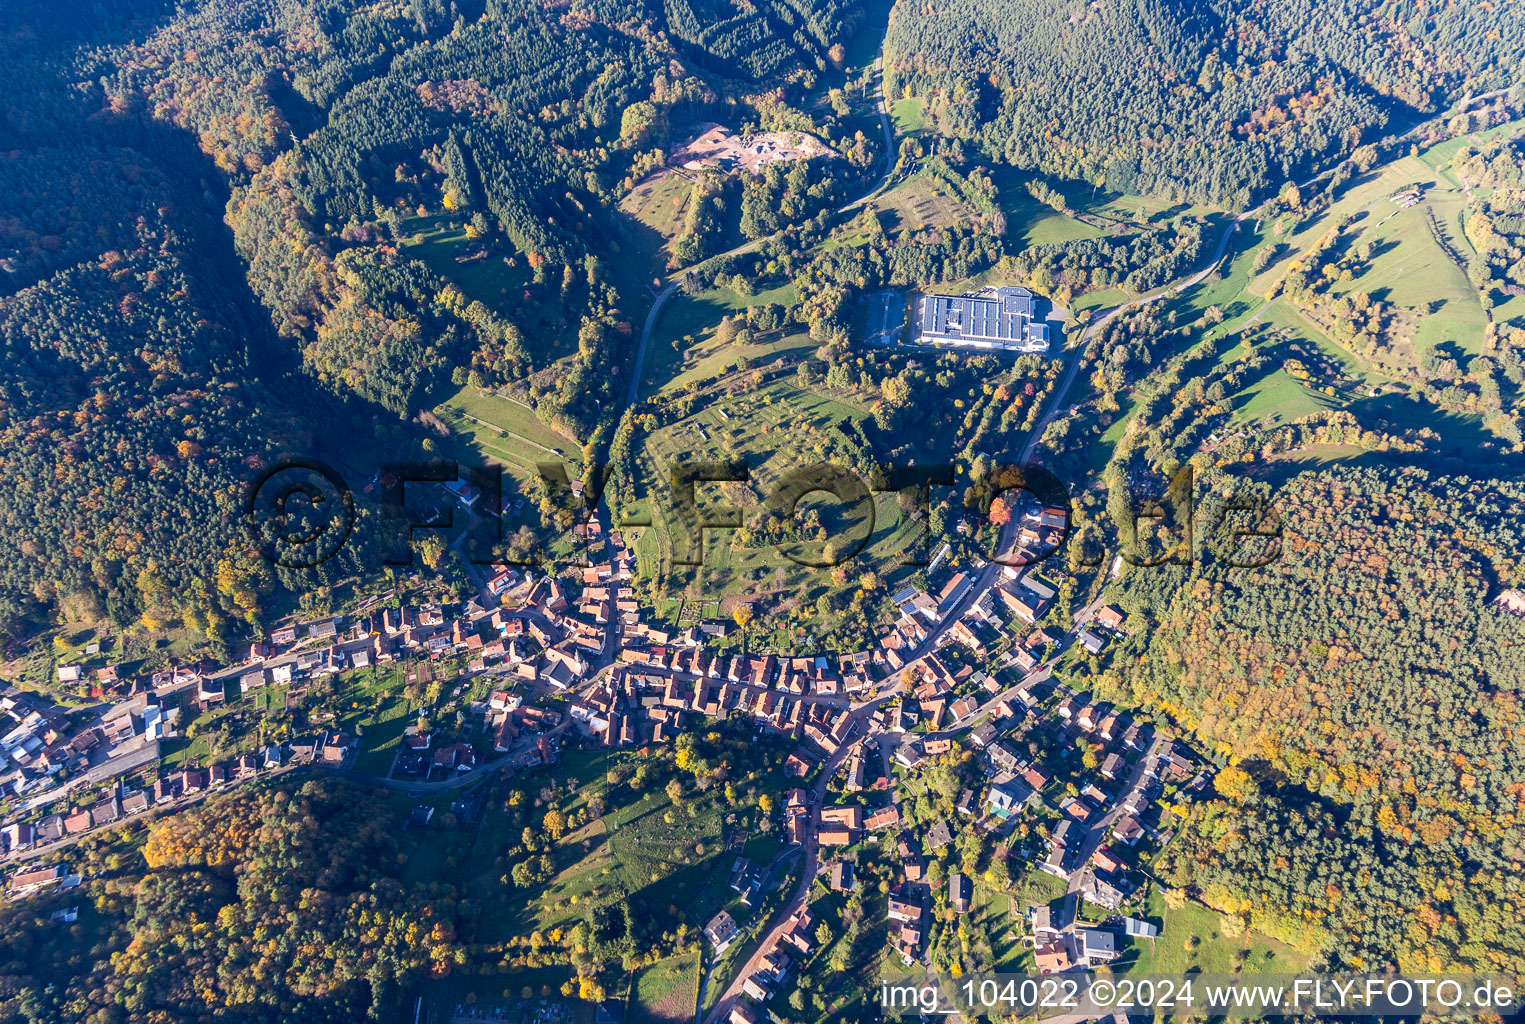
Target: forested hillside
{"points": [[130, 410], [211, 236], [277, 905], [341, 124], [131, 418], [1370, 697], [1214, 103], [1495, 226]]}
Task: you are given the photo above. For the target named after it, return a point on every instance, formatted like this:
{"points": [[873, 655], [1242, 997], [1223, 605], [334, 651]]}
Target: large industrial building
{"points": [[999, 318]]}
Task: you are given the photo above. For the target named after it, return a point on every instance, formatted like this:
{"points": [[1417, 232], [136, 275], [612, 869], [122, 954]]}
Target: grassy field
{"points": [[1104, 299], [1192, 940], [775, 427], [437, 241], [659, 202], [710, 359], [1317, 456], [677, 863], [1440, 155], [1032, 222], [666, 992], [993, 916], [494, 429], [1038, 888], [1127, 207], [727, 401], [1434, 303], [1228, 289], [383, 735], [1408, 268], [1279, 398], [1414, 269], [684, 348], [1369, 196], [1511, 311], [906, 115], [921, 201], [634, 849]]}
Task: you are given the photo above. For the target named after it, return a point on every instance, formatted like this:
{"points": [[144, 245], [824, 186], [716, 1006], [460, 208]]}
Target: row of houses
{"points": [[297, 651], [329, 748], [634, 706], [795, 939], [283, 640], [907, 913], [43, 748], [37, 741], [796, 676]]}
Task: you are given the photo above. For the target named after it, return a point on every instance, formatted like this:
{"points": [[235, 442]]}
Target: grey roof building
{"points": [[1002, 320]]}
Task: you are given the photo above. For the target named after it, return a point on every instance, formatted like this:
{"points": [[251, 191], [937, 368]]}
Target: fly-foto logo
{"points": [[302, 513]]}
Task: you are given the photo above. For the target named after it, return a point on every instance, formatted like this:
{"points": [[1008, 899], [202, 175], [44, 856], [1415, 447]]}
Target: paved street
{"points": [[816, 796]]}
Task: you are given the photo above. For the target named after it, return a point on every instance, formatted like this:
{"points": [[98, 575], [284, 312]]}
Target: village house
{"points": [[1110, 617], [1127, 830], [1055, 957], [960, 892], [1104, 861], [757, 989], [1092, 642], [834, 836], [910, 861], [1023, 603], [24, 883], [904, 910], [1003, 757], [1006, 796], [1097, 947], [1091, 715], [1112, 766], [798, 931], [721, 931], [1099, 891]]}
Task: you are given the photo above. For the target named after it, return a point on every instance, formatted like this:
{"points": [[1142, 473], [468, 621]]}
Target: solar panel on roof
{"points": [[1002, 318]]}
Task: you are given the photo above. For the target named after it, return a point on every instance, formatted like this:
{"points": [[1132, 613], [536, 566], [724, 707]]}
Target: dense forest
{"points": [[212, 224], [1365, 695], [340, 123], [260, 905], [1224, 100], [131, 412]]}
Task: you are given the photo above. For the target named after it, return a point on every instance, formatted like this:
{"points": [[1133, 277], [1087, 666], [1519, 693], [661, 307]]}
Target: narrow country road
{"points": [[884, 124], [654, 314], [1097, 832], [634, 390]]}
